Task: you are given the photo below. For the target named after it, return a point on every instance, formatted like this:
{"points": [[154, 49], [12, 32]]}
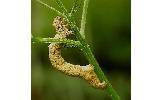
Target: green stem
{"points": [[67, 42], [100, 73], [83, 21], [61, 5], [89, 55], [46, 5]]}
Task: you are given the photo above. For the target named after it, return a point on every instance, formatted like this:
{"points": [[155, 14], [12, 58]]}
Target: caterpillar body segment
{"points": [[58, 62]]}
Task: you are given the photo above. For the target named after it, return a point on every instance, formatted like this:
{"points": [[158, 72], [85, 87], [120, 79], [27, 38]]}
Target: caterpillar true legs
{"points": [[58, 62]]}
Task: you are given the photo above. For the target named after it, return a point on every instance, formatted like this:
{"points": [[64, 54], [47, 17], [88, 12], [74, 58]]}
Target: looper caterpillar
{"points": [[58, 62]]}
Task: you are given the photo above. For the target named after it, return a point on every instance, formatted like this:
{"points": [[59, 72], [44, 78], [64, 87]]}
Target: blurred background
{"points": [[108, 31]]}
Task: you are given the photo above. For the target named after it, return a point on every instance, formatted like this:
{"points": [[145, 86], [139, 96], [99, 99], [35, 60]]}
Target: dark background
{"points": [[108, 31]]}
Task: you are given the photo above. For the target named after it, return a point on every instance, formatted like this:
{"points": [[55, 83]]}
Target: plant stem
{"points": [[89, 55], [100, 73], [67, 42], [61, 5], [58, 12], [83, 21]]}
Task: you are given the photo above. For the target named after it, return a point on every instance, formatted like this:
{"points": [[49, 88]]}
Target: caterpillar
{"points": [[58, 62]]}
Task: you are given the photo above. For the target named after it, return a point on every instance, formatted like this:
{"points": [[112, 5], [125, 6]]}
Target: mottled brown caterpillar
{"points": [[58, 62]]}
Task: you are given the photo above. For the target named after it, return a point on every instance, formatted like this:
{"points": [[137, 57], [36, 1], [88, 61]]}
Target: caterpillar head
{"points": [[61, 26]]}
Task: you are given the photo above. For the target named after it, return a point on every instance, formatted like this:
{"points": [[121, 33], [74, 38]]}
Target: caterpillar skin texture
{"points": [[58, 62]]}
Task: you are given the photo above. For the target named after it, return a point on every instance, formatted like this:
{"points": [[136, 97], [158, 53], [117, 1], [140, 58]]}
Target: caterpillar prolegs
{"points": [[58, 62]]}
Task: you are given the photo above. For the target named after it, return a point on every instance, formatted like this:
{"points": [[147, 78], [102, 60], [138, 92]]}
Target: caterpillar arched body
{"points": [[58, 62]]}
